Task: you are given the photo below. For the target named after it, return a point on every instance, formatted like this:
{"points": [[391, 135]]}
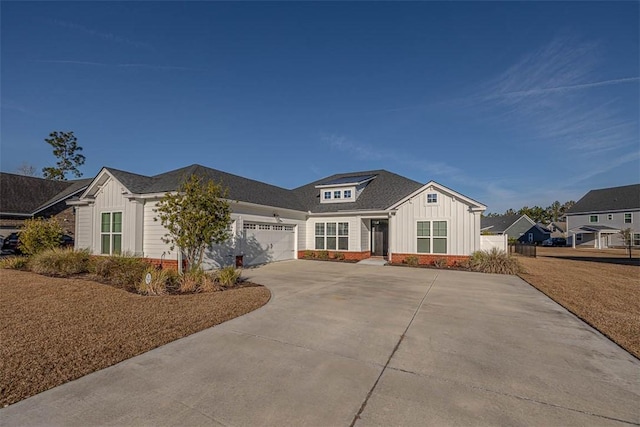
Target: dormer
{"points": [[343, 190]]}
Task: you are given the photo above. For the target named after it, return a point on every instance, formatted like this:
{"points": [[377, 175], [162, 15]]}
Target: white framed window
{"points": [[332, 236], [336, 194], [432, 237], [432, 198], [248, 226], [347, 194], [264, 227], [579, 237], [636, 239], [628, 218], [327, 195], [609, 217], [593, 218], [111, 233], [288, 228]]}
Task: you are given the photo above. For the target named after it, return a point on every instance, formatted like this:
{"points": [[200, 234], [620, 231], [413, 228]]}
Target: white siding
{"points": [[154, 231], [365, 235], [83, 227], [109, 198], [463, 226], [355, 231]]}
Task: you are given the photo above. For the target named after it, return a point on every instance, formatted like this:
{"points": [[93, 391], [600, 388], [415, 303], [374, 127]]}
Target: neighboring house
{"points": [[597, 218], [557, 229], [24, 197], [517, 227], [537, 234], [360, 214]]}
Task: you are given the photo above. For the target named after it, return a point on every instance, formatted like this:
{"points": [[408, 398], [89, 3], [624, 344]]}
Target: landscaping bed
{"points": [[54, 330], [602, 287]]}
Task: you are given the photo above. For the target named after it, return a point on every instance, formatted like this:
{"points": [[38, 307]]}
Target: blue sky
{"points": [[510, 103]]}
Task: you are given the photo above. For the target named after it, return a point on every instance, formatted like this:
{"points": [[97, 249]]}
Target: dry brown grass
{"points": [[591, 284], [54, 330]]}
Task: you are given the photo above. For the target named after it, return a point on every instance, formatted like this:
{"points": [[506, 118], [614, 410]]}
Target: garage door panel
{"points": [[264, 243]]}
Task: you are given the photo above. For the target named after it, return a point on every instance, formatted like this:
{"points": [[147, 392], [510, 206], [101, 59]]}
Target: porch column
{"points": [[573, 241]]}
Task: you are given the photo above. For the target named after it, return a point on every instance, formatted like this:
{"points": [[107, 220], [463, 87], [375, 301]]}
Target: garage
{"points": [[262, 243]]}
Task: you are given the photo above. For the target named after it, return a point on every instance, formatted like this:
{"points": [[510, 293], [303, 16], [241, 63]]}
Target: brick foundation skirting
{"points": [[427, 259], [165, 264], [356, 256]]}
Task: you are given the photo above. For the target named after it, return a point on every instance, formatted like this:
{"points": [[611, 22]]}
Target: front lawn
{"points": [[602, 287], [55, 330]]}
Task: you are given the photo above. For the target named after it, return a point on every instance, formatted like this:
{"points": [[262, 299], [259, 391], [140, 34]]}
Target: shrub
{"points": [[440, 263], [37, 235], [309, 255], [323, 255], [338, 256], [15, 263], [123, 271], [191, 280], [162, 282], [411, 260], [494, 261], [60, 262], [228, 276]]}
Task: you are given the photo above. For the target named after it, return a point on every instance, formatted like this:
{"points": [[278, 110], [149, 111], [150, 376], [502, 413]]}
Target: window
{"points": [[636, 239], [593, 218], [264, 227], [248, 226], [336, 194], [347, 194], [579, 237], [332, 236], [609, 217], [111, 233], [343, 236], [628, 218], [327, 195], [432, 237], [432, 198], [320, 235]]}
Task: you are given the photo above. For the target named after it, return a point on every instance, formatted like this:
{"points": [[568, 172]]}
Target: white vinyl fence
{"points": [[489, 242]]}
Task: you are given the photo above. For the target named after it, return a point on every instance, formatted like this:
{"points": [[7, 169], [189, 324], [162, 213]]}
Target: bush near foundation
{"points": [[122, 271], [60, 262], [37, 235], [494, 261]]}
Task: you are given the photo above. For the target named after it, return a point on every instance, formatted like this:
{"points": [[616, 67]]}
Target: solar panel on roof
{"points": [[348, 180]]}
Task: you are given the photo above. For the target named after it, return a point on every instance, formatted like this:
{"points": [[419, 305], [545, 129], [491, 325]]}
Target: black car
{"points": [[555, 241], [10, 243]]}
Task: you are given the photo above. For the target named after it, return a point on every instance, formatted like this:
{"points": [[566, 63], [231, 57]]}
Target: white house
{"points": [[360, 215]]}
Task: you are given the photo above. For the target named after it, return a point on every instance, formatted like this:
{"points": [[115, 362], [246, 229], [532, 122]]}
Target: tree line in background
{"points": [[66, 150], [545, 215]]}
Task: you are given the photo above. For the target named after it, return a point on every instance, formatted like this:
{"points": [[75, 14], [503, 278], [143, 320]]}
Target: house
{"points": [[517, 227], [25, 197], [359, 214], [597, 218], [557, 229]]}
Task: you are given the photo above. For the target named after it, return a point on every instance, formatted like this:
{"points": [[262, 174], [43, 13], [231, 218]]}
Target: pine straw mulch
{"points": [[594, 286], [55, 330]]}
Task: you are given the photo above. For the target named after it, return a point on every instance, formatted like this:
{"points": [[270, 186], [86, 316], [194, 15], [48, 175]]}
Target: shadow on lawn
{"points": [[606, 260]]}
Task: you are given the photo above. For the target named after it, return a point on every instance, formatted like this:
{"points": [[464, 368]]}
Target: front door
{"points": [[379, 237]]}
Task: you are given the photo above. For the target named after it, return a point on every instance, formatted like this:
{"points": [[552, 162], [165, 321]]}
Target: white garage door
{"points": [[264, 243]]}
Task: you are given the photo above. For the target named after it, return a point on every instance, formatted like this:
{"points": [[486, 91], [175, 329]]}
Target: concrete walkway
{"points": [[344, 344]]}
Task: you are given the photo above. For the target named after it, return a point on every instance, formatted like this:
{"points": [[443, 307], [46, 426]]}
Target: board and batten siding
{"points": [[463, 226], [84, 220], [110, 198]]}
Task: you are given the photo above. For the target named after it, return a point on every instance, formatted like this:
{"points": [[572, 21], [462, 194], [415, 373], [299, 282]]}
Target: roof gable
{"points": [[441, 188], [626, 197], [501, 223]]}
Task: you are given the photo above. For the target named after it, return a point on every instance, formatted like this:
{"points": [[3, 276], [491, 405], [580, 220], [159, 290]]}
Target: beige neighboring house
{"points": [[597, 218]]}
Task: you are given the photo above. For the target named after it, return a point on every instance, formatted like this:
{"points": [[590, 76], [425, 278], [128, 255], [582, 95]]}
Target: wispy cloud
{"points": [[107, 36], [549, 95], [102, 64]]}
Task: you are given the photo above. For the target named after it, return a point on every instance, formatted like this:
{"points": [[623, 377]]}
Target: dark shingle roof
{"points": [[608, 199], [25, 194], [76, 186], [240, 188], [498, 224], [380, 193]]}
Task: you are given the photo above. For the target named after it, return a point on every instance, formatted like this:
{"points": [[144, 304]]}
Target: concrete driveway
{"points": [[343, 344]]}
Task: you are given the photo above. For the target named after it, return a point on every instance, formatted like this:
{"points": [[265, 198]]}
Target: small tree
{"points": [[196, 217], [65, 145], [26, 169], [627, 237], [37, 235]]}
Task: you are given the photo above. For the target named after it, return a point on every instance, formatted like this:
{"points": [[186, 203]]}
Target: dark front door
{"points": [[379, 237]]}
